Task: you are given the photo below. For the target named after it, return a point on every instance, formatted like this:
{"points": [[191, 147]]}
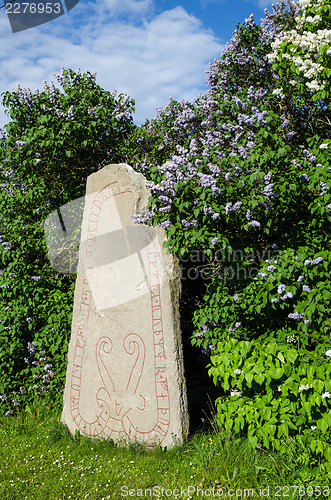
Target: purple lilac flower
{"points": [[295, 316], [281, 288], [236, 206], [288, 295], [236, 298], [185, 223], [290, 135], [285, 123], [306, 288], [214, 241], [274, 300], [300, 279], [324, 188], [308, 156], [254, 223], [166, 224], [71, 113], [311, 263], [216, 190], [32, 348]]}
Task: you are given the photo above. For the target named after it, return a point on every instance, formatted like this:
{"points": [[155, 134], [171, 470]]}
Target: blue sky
{"points": [[150, 49]]}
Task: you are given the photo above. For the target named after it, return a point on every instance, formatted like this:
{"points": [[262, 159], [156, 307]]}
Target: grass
{"points": [[39, 459]]}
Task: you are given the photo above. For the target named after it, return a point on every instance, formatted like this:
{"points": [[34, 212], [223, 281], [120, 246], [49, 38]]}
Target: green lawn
{"points": [[40, 460]]}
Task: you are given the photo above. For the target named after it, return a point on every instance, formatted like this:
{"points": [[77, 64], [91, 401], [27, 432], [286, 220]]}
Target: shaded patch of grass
{"points": [[39, 459]]}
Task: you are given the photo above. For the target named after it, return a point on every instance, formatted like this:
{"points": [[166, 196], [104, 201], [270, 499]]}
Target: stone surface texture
{"points": [[125, 376]]}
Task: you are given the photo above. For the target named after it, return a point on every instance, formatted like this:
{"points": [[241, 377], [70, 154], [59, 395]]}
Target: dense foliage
{"points": [[55, 139], [241, 183]]}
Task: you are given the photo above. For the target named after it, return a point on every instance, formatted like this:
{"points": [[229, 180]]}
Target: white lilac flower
{"points": [[238, 324], [235, 393], [305, 387], [300, 279], [306, 288], [323, 146], [313, 427], [237, 371], [274, 300], [328, 353], [326, 395], [271, 269], [228, 208], [281, 288]]}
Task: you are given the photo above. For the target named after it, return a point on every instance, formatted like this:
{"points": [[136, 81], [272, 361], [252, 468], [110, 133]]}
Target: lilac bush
{"points": [[245, 184], [55, 138]]}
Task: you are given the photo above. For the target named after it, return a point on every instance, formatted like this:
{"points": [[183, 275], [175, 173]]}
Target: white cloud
{"points": [[125, 6], [265, 3], [148, 56]]}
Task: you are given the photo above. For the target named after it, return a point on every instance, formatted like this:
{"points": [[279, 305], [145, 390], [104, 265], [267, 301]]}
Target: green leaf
{"points": [[249, 378]]}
